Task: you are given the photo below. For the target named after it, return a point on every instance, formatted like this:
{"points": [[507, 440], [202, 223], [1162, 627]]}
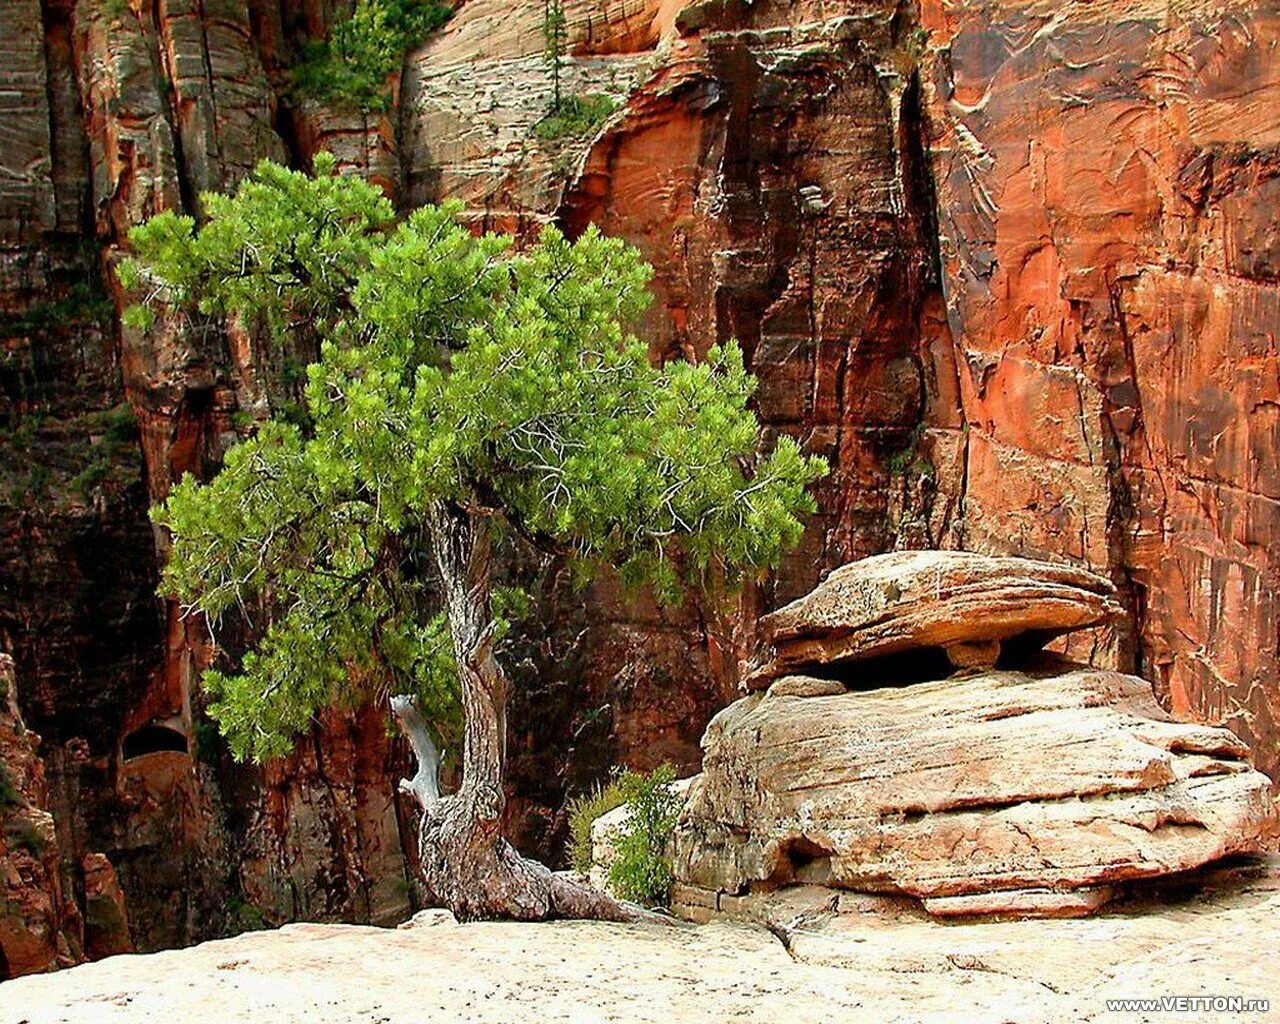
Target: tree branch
{"points": [[425, 785]]}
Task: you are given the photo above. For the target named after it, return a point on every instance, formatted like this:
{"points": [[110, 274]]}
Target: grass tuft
{"points": [[578, 116], [583, 811]]}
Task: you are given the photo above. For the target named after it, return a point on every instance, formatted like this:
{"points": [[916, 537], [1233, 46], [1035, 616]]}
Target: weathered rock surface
{"points": [[1106, 178], [26, 186], [962, 602], [39, 926], [1094, 182], [113, 112], [1001, 792], [838, 965]]}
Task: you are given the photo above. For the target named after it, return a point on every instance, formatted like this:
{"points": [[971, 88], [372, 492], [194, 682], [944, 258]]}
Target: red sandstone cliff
{"points": [[1011, 267], [1107, 179]]}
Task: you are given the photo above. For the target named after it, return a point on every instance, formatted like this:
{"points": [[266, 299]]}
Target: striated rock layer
{"points": [[113, 112], [1023, 792]]}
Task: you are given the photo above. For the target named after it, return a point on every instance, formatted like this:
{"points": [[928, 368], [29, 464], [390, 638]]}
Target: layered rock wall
{"points": [[1107, 177], [121, 110], [40, 927]]}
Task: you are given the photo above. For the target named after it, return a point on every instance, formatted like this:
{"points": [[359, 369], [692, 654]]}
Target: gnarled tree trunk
{"points": [[466, 862]]}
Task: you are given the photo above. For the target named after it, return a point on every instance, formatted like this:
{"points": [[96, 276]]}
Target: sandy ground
{"points": [[854, 967]]}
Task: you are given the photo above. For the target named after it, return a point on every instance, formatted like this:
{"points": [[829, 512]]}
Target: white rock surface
{"points": [[886, 967], [1010, 787]]}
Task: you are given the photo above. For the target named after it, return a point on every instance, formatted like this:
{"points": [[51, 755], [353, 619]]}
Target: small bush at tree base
{"points": [[642, 871], [575, 117], [244, 917], [583, 811]]}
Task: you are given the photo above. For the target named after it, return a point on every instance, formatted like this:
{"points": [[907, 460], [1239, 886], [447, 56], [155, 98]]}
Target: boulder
{"points": [[607, 830], [1036, 791], [106, 918], [963, 603]]}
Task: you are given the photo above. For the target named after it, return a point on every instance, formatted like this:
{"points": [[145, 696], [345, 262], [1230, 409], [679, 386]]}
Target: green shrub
{"points": [[293, 371], [642, 871], [88, 479], [350, 69], [116, 433], [84, 301], [907, 458], [583, 811], [38, 480], [118, 424], [208, 741], [244, 917], [9, 795], [23, 835], [575, 117]]}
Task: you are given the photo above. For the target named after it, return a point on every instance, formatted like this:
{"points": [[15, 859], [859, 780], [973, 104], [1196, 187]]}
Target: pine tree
{"points": [[464, 389], [554, 35]]}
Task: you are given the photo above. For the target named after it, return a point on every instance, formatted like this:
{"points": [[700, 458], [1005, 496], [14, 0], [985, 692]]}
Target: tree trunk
{"points": [[467, 864]]}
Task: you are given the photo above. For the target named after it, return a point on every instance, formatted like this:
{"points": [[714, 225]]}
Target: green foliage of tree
{"points": [[463, 388], [642, 869], [350, 69], [452, 369]]}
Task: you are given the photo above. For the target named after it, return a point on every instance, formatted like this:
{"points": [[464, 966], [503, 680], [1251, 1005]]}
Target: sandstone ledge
{"points": [[894, 967], [959, 601], [1001, 792]]}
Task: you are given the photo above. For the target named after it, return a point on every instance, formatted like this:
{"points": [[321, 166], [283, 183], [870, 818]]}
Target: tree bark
{"points": [[466, 863]]}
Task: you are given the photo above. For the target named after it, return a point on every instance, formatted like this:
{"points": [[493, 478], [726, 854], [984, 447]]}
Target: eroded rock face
{"points": [[765, 159], [1012, 791], [1107, 176], [963, 603], [1093, 182], [40, 928], [114, 112]]}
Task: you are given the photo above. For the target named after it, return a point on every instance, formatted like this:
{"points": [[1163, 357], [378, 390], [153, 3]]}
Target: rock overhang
{"points": [[1044, 788], [958, 602]]}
